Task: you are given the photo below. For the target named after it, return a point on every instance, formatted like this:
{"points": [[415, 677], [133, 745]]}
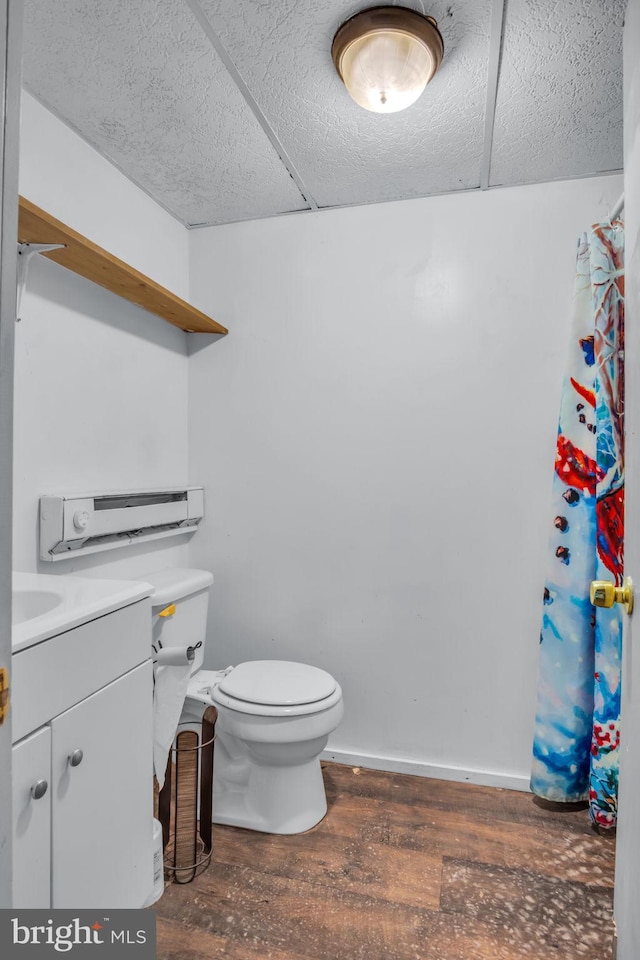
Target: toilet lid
{"points": [[277, 682]]}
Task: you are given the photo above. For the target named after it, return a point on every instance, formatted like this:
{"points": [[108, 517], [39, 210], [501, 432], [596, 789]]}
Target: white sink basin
{"points": [[27, 604], [45, 605]]}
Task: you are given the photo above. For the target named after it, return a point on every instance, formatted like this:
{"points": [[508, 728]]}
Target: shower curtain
{"points": [[577, 728]]}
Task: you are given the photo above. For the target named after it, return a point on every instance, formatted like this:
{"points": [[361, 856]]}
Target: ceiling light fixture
{"points": [[386, 56]]}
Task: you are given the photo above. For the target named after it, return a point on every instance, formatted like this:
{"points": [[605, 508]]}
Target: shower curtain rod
{"points": [[618, 208]]}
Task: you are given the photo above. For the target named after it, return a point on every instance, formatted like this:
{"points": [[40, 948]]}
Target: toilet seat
{"points": [[210, 686], [273, 710], [277, 683]]}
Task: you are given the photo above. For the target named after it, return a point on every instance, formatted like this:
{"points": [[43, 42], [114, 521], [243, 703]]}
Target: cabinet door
{"points": [[31, 790], [102, 802]]}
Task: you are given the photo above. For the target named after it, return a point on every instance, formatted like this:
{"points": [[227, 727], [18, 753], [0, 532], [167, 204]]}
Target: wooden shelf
{"points": [[93, 263]]}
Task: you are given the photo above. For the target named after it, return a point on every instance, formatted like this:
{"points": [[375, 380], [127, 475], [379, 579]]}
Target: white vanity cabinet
{"points": [[83, 704]]}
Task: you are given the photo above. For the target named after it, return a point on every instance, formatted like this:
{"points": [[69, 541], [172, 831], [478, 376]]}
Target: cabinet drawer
{"points": [[52, 676]]}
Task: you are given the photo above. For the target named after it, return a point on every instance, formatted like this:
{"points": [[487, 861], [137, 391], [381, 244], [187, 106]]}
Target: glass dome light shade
{"points": [[386, 56]]}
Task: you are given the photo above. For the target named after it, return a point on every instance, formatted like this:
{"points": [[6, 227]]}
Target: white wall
{"points": [[376, 436], [100, 385]]}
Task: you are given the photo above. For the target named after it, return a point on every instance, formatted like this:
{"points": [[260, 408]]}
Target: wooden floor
{"points": [[402, 868]]}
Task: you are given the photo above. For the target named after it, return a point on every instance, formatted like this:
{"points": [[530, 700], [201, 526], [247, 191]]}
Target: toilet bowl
{"points": [[274, 718]]}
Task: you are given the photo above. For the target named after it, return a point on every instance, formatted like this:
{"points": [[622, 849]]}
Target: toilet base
{"points": [[282, 799], [266, 768]]}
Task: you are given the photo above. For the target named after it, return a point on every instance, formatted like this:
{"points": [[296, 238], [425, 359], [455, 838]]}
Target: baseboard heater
{"points": [[86, 523]]}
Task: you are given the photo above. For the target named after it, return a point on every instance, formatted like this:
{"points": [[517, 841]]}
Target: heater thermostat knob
{"points": [[81, 519]]}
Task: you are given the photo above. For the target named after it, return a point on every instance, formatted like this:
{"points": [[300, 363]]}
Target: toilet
{"points": [[274, 717]]}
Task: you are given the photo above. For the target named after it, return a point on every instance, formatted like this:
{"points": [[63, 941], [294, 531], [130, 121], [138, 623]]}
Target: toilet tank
{"points": [[185, 626]]}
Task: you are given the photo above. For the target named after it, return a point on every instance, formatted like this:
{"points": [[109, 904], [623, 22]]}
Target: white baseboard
{"points": [[418, 768]]}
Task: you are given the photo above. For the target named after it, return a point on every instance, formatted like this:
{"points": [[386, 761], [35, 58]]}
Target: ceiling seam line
{"points": [[243, 89], [493, 72], [431, 196]]}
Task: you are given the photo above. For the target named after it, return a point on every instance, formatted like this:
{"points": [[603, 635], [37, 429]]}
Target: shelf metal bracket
{"points": [[25, 252]]}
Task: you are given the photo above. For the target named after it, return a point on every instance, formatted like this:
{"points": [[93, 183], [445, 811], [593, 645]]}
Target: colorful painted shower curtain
{"points": [[577, 732]]}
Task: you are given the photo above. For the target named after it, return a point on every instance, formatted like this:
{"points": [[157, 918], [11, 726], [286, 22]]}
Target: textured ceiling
{"points": [[559, 104], [231, 109]]}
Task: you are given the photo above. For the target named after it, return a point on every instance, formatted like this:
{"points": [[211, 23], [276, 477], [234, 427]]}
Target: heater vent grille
{"points": [[113, 501]]}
